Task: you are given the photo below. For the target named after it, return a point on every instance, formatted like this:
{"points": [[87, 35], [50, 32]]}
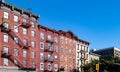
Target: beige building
{"points": [[93, 56], [82, 53]]}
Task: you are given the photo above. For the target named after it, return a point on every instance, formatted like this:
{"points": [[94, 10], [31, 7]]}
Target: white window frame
{"points": [[33, 44], [24, 20], [6, 15], [5, 61], [25, 31], [16, 29], [49, 37], [41, 56], [32, 24], [25, 53], [5, 38], [5, 49], [41, 43], [41, 35], [56, 39], [16, 40], [33, 33], [55, 67], [41, 67], [33, 54], [16, 18], [16, 53], [6, 25]]}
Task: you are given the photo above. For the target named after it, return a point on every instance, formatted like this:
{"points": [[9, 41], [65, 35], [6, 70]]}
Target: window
{"points": [[70, 60], [15, 62], [66, 41], [56, 48], [24, 20], [41, 45], [6, 15], [66, 51], [15, 28], [62, 49], [56, 58], [33, 63], [5, 62], [62, 40], [41, 66], [70, 42], [77, 46], [16, 52], [49, 37], [6, 25], [15, 18], [24, 53], [25, 62], [66, 59], [49, 56], [32, 33], [33, 24], [55, 67], [56, 39], [25, 41], [6, 38], [62, 58], [16, 40], [49, 66], [41, 56], [33, 54], [5, 49], [49, 46], [33, 44], [41, 35], [70, 51], [25, 31]]}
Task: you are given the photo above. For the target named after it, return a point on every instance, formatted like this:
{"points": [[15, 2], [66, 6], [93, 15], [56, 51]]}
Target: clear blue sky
{"points": [[97, 21]]}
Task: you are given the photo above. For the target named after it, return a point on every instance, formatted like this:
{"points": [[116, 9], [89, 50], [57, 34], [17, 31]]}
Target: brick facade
{"points": [[29, 46]]}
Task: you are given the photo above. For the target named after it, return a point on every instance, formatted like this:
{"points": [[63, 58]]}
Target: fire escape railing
{"points": [[9, 55]]}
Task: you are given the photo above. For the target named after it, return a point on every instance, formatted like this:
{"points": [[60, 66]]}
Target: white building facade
{"points": [[82, 54]]}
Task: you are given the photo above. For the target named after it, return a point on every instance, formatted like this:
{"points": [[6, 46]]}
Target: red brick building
{"points": [[18, 33], [49, 55], [67, 51], [28, 46]]}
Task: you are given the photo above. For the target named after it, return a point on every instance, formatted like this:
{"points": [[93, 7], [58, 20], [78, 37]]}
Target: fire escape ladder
{"points": [[11, 58]]}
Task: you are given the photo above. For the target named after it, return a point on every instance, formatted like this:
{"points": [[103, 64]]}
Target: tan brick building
{"points": [[67, 48]]}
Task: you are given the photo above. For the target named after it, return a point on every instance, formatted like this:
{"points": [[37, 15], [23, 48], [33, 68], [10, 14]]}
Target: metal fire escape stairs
{"points": [[12, 34], [50, 51]]}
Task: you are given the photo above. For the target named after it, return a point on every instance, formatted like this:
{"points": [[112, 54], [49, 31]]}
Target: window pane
{"points": [[5, 38], [6, 15], [15, 18], [5, 62]]}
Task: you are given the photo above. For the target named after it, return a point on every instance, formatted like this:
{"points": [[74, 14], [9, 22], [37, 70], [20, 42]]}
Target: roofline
{"points": [[12, 7]]}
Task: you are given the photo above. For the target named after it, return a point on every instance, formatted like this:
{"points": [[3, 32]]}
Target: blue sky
{"points": [[96, 21]]}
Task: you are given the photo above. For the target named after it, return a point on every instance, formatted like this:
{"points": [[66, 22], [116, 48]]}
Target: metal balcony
{"points": [[62, 69], [5, 55], [48, 50], [82, 51], [48, 60], [26, 25], [50, 41], [4, 29]]}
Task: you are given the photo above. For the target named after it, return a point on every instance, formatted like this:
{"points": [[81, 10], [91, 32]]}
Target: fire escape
{"points": [[49, 60], [12, 34]]}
